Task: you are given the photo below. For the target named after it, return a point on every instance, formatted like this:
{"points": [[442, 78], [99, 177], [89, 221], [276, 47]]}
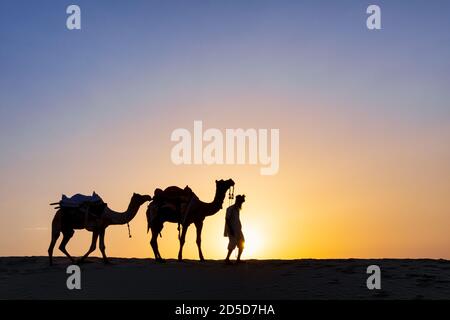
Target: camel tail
{"points": [[148, 228], [56, 230], [148, 214]]}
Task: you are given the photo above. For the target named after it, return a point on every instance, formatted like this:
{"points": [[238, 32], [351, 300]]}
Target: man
{"points": [[233, 228]]}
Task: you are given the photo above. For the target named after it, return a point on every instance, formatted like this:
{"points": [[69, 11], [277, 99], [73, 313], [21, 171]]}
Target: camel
{"points": [[196, 213], [68, 219]]}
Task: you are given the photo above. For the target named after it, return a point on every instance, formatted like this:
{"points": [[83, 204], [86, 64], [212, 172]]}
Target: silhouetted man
{"points": [[233, 228]]}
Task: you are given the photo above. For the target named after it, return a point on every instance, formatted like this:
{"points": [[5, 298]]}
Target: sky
{"points": [[364, 120]]}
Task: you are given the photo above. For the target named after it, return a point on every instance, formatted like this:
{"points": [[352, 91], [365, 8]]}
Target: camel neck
{"points": [[217, 203], [126, 216]]}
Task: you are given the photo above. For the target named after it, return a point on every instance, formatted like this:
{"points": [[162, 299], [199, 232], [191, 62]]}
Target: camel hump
{"points": [[173, 190], [174, 193]]}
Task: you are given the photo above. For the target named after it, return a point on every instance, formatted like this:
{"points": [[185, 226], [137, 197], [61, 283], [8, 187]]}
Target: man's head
{"points": [[240, 199]]}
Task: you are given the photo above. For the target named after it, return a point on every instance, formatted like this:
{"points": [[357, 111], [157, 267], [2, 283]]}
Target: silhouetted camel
{"points": [[197, 212], [68, 219]]}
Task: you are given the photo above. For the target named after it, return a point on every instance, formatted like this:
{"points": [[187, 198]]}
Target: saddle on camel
{"points": [[92, 206], [169, 201]]}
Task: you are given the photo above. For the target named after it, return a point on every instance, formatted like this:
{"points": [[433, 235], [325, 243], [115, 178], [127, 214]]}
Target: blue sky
{"points": [[161, 45]]}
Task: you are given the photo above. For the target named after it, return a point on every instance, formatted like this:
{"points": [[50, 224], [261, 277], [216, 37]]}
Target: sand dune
{"points": [[32, 278]]}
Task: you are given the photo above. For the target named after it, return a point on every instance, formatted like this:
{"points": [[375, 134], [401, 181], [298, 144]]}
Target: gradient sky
{"points": [[364, 119]]}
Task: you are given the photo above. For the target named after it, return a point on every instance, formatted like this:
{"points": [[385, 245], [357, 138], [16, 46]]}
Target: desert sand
{"points": [[32, 278]]}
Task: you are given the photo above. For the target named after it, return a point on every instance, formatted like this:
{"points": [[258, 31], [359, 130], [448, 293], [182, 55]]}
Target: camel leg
{"points": [[199, 227], [92, 247], [182, 240], [55, 236], [154, 243], [102, 246], [56, 231], [67, 235]]}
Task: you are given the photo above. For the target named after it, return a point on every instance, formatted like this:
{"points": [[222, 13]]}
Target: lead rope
{"points": [[230, 202], [129, 232], [230, 196]]}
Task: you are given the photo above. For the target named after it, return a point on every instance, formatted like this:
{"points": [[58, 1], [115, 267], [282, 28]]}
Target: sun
{"points": [[254, 244]]}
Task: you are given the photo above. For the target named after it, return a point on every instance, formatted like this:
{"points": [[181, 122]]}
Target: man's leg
{"points": [[228, 255], [231, 246], [241, 248]]}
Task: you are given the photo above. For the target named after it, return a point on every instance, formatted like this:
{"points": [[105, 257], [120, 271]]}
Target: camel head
{"points": [[224, 185], [140, 199]]}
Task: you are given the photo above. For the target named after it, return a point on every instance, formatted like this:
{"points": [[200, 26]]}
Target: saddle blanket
{"points": [[80, 199]]}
